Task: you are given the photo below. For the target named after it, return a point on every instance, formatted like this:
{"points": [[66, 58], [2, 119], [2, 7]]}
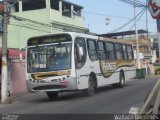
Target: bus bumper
{"points": [[69, 84]]}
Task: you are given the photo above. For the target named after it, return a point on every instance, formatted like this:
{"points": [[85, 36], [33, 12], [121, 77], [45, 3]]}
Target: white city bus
{"points": [[73, 61]]}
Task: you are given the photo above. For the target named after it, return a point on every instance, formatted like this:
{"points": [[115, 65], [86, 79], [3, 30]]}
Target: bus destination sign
{"points": [[48, 40]]}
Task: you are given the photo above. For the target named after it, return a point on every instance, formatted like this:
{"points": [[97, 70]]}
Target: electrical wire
{"points": [[33, 23], [33, 27], [103, 14], [28, 20], [127, 22], [138, 19], [30, 28], [43, 24], [30, 24], [135, 3]]}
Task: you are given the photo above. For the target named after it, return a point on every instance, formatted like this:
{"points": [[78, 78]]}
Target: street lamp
{"points": [[108, 23]]}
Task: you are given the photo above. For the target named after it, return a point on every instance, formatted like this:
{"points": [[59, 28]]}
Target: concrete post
{"points": [[72, 9], [20, 6], [60, 6], [137, 42], [48, 4]]}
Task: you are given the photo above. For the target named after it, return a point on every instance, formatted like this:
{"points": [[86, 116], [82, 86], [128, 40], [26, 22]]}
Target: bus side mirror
{"points": [[21, 57]]}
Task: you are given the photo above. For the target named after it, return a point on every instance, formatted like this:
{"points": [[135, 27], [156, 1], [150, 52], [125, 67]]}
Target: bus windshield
{"points": [[52, 57]]}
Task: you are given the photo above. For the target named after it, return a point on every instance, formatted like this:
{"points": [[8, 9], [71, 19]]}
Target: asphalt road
{"points": [[106, 100]]}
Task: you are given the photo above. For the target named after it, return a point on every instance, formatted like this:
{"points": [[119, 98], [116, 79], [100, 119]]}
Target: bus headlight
{"points": [[64, 83]]}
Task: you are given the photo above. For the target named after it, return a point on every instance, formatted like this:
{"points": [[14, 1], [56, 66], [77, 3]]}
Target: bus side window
{"points": [[110, 52], [119, 52], [125, 52], [92, 50], [101, 51], [79, 62], [129, 52]]}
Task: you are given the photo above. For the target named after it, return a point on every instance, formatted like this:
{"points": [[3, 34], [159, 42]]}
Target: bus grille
{"points": [[48, 87]]}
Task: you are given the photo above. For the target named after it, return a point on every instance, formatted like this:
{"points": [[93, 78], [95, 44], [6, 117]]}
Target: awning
{"points": [[14, 53]]}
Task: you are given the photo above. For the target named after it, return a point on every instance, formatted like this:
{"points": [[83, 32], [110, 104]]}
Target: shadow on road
{"points": [[72, 95]]}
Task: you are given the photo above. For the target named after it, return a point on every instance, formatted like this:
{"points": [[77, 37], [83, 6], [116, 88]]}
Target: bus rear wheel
{"points": [[52, 95], [121, 80], [91, 87]]}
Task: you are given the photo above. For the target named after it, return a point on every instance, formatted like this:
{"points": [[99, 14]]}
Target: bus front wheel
{"points": [[121, 80], [91, 87], [52, 95]]}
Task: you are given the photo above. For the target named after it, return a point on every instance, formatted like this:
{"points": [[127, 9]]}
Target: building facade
{"points": [[146, 51], [36, 17], [154, 39]]}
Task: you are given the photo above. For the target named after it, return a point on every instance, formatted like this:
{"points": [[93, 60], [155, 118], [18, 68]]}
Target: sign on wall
{"points": [[154, 8]]}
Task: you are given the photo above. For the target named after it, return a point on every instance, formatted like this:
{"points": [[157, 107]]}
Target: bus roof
{"points": [[89, 36], [115, 40]]}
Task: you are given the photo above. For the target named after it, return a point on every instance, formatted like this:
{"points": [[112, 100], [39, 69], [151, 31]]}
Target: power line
{"points": [[138, 19], [45, 24], [28, 20], [128, 22], [135, 3], [30, 28], [30, 24], [103, 14], [115, 16], [33, 22], [33, 27]]}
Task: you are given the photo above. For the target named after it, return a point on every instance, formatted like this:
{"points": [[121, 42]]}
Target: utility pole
{"points": [[136, 4], [5, 93], [149, 40], [137, 42]]}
